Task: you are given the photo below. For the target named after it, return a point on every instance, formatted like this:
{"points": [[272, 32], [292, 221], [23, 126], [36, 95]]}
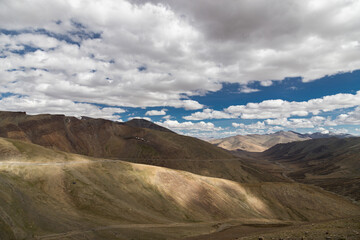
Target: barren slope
{"points": [[103, 138], [257, 142], [331, 163], [56, 195], [149, 145]]}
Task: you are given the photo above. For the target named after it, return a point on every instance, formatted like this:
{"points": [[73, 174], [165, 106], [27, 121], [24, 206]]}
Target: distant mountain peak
{"points": [[259, 143], [317, 135]]}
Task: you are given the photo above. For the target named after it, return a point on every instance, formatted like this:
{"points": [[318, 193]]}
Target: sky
{"points": [[204, 68]]}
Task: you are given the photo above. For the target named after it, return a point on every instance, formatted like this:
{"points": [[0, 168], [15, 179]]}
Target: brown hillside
{"points": [[149, 145], [48, 194], [103, 138]]}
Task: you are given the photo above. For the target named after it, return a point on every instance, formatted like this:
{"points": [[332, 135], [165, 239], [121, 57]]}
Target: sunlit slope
{"points": [[45, 192], [257, 142]]}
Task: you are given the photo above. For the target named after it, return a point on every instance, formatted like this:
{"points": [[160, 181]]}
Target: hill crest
{"points": [[105, 138]]}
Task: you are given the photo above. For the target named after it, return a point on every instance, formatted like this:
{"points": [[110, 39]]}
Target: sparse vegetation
{"points": [[93, 198]]}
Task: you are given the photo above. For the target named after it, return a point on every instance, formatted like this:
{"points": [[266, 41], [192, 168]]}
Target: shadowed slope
{"points": [[331, 163], [56, 195]]}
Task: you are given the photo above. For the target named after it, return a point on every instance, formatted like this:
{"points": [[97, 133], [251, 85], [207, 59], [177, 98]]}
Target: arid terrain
{"points": [[257, 142], [262, 142], [54, 195], [60, 191], [104, 138]]}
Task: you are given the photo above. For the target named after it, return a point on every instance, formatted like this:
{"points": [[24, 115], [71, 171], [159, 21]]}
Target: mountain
{"points": [[332, 163], [326, 135], [50, 194], [142, 123], [257, 142], [136, 139], [262, 142]]}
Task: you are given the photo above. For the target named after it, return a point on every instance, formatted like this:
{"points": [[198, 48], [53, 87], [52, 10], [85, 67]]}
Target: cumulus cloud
{"points": [[292, 123], [350, 118], [189, 126], [282, 109], [257, 125], [67, 107], [246, 89], [71, 57], [162, 112], [318, 123], [145, 118], [254, 128], [322, 130], [186, 104], [339, 130], [96, 53], [161, 52], [269, 40], [266, 83], [208, 114]]}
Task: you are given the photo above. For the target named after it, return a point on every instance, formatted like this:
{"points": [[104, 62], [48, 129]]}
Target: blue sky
{"points": [[207, 69]]}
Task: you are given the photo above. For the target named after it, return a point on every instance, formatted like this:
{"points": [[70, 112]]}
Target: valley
{"points": [[48, 193]]}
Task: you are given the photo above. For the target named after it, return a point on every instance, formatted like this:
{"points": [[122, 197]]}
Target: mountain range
{"points": [[50, 194], [262, 142]]}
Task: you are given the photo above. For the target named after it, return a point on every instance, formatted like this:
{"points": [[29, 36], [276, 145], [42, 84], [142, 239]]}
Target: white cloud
{"points": [[282, 109], [186, 104], [208, 114], [156, 112], [292, 123], [246, 89], [236, 125], [186, 48], [266, 83], [316, 122], [252, 44], [351, 118], [146, 118], [339, 130], [253, 128], [189, 126], [322, 130], [102, 70], [257, 125], [67, 107]]}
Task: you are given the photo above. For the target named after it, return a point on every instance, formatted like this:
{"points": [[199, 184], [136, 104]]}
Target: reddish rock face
{"points": [[104, 138]]}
